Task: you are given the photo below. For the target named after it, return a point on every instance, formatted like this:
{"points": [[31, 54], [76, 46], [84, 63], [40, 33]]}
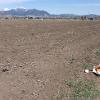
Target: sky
{"points": [[80, 7]]}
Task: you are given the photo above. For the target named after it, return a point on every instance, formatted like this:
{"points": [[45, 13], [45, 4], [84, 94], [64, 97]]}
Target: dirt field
{"points": [[38, 57]]}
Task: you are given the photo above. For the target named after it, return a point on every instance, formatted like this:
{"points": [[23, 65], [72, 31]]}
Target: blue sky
{"points": [[56, 6]]}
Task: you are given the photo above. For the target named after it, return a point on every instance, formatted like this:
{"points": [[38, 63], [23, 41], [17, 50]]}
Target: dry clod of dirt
{"points": [[5, 70]]}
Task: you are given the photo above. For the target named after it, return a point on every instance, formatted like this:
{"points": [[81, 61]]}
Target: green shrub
{"points": [[98, 53], [82, 90]]}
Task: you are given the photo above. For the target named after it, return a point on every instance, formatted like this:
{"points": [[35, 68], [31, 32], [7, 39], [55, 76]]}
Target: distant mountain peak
{"points": [[23, 12]]}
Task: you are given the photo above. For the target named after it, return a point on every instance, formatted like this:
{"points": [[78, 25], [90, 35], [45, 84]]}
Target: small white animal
{"points": [[86, 70], [96, 70]]}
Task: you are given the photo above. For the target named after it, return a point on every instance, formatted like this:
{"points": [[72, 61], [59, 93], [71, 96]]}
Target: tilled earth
{"points": [[36, 57]]}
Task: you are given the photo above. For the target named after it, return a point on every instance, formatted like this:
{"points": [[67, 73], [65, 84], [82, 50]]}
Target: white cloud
{"points": [[16, 1], [6, 9], [12, 1]]}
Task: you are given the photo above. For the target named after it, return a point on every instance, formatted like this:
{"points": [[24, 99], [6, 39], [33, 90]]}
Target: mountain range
{"points": [[39, 13], [23, 12]]}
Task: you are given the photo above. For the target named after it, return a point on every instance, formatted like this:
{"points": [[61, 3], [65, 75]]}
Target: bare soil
{"points": [[36, 57]]}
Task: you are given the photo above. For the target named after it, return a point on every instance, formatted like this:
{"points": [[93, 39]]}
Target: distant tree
{"points": [[91, 18], [83, 17]]}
